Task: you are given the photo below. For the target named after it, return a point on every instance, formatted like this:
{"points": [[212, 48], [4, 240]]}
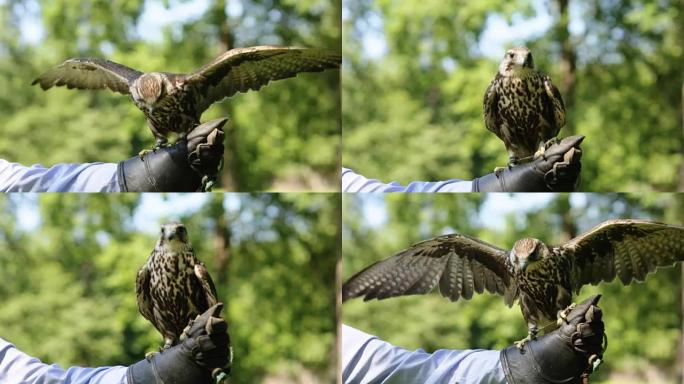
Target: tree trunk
{"points": [[338, 297], [681, 166], [221, 239], [231, 175], [568, 64]]}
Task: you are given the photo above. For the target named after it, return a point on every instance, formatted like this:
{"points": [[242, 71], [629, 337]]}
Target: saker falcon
{"points": [[522, 107], [175, 102], [173, 286], [542, 278]]}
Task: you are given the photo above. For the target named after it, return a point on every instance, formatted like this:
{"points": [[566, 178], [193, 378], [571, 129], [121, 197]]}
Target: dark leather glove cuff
{"points": [[521, 178], [557, 170], [562, 356], [186, 166], [174, 365], [164, 170]]}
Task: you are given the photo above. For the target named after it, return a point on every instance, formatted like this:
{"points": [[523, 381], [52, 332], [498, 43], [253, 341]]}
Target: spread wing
{"points": [[89, 74], [142, 292], [460, 265], [206, 296], [244, 69], [554, 107], [490, 106], [629, 249]]}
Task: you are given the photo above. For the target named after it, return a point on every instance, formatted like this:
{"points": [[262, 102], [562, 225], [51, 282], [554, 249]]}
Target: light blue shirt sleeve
{"points": [[367, 359], [90, 177], [352, 182], [17, 367]]}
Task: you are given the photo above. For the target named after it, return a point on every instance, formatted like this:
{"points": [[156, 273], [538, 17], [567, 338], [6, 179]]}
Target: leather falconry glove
{"points": [[556, 170], [566, 355], [191, 164], [204, 351]]}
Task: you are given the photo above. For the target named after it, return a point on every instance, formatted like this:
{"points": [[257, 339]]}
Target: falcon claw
{"points": [[563, 314], [521, 343]]}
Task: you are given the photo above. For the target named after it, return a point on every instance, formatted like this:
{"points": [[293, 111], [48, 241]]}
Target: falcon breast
{"points": [[173, 286], [522, 107], [541, 278], [175, 102]]}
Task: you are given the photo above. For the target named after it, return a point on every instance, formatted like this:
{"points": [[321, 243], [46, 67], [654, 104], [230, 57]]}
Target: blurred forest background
{"points": [[643, 321], [68, 265], [416, 71], [284, 137]]}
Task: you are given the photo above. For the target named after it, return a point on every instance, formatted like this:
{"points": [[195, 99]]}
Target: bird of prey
{"points": [[522, 107], [173, 286], [175, 102], [541, 277]]}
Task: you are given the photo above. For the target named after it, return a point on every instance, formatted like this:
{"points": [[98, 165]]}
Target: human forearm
{"points": [[353, 182], [89, 177], [366, 359], [18, 367]]}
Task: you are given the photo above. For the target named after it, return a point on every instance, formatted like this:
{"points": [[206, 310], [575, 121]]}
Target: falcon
{"points": [[542, 278], [175, 102], [522, 107], [173, 286]]}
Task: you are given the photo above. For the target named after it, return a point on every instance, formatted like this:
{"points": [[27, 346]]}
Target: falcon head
{"points": [[526, 253], [148, 89], [173, 236], [516, 62]]}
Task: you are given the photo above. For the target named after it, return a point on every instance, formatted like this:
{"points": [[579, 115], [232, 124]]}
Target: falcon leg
{"points": [[531, 335], [168, 343]]}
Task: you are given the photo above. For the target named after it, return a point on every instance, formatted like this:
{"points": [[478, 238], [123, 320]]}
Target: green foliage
{"points": [[284, 137], [414, 112], [68, 285], [643, 321]]}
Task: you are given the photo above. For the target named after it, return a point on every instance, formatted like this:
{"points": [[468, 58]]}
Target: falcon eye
{"points": [[510, 55]]}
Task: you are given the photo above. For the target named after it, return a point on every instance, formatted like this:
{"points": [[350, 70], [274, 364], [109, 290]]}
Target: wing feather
{"points": [[142, 293], [490, 107], [628, 249], [88, 73], [460, 265], [555, 107], [244, 69], [207, 284]]}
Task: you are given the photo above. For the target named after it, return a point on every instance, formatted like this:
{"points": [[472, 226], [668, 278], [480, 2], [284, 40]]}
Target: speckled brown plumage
{"points": [[175, 102], [173, 286], [521, 106], [543, 278]]}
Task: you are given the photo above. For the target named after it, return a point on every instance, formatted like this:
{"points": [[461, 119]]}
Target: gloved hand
{"points": [[203, 350], [557, 170], [566, 355], [189, 165]]}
